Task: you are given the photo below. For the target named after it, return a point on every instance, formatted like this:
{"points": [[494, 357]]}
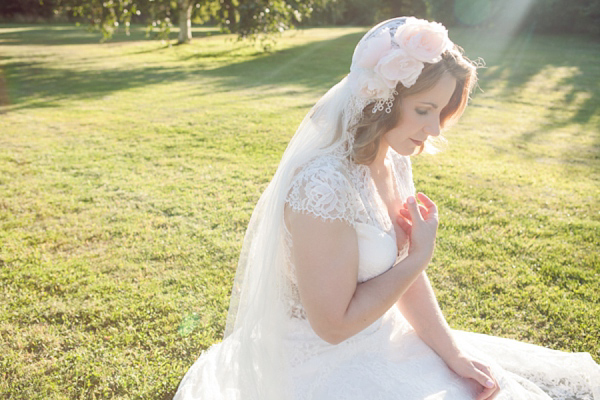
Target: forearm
{"points": [[374, 297], [419, 306]]}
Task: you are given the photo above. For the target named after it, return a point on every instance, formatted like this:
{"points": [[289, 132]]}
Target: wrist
{"points": [[419, 258], [442, 342], [454, 355]]}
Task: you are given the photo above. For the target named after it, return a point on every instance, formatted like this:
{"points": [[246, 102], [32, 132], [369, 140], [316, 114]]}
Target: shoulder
{"points": [[325, 169], [322, 187]]}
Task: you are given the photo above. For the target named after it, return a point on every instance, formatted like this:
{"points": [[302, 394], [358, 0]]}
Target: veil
{"points": [[249, 363], [257, 313]]}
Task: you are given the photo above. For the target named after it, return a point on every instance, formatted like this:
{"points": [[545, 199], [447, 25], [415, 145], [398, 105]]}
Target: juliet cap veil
{"points": [[249, 364]]}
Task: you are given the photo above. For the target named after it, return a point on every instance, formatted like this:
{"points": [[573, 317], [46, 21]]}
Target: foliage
{"points": [[128, 174], [256, 18], [44, 9], [261, 18], [548, 16], [366, 12], [579, 16], [103, 15], [247, 18]]}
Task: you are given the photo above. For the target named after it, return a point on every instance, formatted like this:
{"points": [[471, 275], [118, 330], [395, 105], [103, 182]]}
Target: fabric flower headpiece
{"points": [[393, 54]]}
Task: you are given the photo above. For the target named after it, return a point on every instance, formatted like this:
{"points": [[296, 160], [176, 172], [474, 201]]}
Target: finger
{"points": [[482, 378], [401, 218], [488, 394], [413, 209], [404, 213], [495, 394], [427, 202], [424, 212], [406, 228], [404, 225], [485, 370]]}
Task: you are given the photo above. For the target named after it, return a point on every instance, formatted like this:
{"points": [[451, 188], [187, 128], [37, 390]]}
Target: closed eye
{"points": [[421, 111]]}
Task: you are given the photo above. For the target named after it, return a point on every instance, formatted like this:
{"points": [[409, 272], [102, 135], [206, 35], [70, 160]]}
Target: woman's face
{"points": [[420, 117]]}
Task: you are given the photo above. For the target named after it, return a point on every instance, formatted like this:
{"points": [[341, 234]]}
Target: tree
{"points": [[247, 18], [185, 20]]}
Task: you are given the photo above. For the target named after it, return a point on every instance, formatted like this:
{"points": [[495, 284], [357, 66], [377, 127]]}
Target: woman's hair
{"points": [[372, 126]]}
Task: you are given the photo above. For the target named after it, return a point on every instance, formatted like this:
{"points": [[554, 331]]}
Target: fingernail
{"points": [[489, 383], [411, 199]]}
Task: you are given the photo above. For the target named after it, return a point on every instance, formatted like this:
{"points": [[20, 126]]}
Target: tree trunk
{"points": [[185, 21]]}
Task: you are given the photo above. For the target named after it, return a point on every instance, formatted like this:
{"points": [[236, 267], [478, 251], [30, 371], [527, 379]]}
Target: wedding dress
{"points": [[387, 360], [270, 351]]}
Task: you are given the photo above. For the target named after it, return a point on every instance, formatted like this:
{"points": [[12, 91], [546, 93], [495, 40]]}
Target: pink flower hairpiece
{"points": [[383, 60]]}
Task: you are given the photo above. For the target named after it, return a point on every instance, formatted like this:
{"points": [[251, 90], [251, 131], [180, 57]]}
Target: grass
{"points": [[129, 170]]}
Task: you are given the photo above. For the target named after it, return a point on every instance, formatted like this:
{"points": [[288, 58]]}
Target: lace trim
{"points": [[293, 303], [323, 190], [333, 188]]}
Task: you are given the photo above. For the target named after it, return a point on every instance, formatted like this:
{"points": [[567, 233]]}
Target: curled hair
{"points": [[373, 126]]}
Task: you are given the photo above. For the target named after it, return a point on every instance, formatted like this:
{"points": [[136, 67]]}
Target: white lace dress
{"points": [[387, 360]]}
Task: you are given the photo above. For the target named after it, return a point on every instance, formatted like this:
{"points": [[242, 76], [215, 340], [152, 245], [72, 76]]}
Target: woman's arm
{"points": [[326, 260], [419, 306]]}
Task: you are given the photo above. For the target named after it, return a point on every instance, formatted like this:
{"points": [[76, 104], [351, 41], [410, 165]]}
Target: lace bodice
{"points": [[332, 189]]}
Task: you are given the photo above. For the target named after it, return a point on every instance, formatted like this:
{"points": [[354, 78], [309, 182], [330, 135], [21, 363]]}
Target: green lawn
{"points": [[128, 172]]}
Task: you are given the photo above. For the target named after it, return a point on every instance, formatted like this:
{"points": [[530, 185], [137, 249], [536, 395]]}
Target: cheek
{"points": [[393, 136], [399, 133], [410, 122]]}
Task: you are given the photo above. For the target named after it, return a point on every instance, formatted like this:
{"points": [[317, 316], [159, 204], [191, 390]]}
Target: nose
{"points": [[433, 127]]}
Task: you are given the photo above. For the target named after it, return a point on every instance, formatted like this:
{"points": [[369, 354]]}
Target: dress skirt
{"points": [[388, 361]]}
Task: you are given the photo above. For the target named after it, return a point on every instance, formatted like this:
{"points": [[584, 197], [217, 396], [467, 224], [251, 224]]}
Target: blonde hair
{"points": [[372, 126]]}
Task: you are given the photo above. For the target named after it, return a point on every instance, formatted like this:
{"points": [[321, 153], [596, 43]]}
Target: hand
{"points": [[420, 223], [477, 371], [402, 238]]}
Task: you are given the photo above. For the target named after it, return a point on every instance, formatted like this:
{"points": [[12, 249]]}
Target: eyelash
{"points": [[421, 112]]}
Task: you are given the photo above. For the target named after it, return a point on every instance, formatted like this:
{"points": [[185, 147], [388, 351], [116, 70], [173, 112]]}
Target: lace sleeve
{"points": [[322, 189]]}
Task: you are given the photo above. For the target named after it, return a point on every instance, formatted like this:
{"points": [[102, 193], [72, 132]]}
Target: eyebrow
{"points": [[430, 104]]}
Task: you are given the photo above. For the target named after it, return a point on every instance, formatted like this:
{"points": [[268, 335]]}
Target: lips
{"points": [[417, 142]]}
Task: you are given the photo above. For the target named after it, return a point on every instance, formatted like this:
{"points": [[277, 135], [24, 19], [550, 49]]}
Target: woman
{"points": [[331, 299]]}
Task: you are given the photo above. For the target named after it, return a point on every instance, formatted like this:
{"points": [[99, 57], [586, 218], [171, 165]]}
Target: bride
{"points": [[331, 298]]}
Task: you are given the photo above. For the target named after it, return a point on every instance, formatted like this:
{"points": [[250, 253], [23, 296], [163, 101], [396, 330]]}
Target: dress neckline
{"points": [[385, 222]]}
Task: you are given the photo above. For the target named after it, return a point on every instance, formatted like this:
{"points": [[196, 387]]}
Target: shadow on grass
{"points": [[315, 67], [518, 61], [35, 84], [45, 87], [527, 57]]}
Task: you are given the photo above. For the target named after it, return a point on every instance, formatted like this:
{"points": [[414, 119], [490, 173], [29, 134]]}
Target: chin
{"points": [[407, 152]]}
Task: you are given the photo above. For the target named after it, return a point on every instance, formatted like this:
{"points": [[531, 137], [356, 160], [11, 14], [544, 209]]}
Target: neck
{"points": [[378, 164]]}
